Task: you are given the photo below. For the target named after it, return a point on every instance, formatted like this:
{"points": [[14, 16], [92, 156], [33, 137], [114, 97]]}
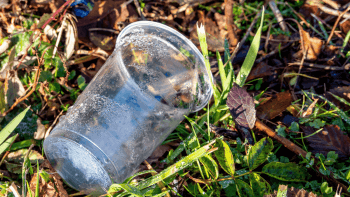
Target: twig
{"points": [[239, 45], [56, 13], [136, 2], [302, 18], [232, 36], [36, 78], [273, 52], [332, 4], [207, 182], [330, 10], [267, 37], [278, 15], [336, 24], [294, 148], [319, 66], [284, 141], [59, 36]]}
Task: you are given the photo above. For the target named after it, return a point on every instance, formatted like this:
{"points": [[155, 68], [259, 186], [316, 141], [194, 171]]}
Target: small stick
{"points": [[272, 53], [319, 66], [267, 37], [330, 10], [332, 4], [292, 147], [232, 36], [136, 2], [336, 24], [37, 74], [278, 15]]}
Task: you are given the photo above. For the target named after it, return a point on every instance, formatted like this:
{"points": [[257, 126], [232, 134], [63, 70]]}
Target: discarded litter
{"points": [[154, 77]]}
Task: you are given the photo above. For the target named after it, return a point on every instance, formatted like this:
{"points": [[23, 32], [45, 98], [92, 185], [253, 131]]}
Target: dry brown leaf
{"points": [[260, 70], [214, 39], [52, 188], [334, 140], [15, 89], [274, 106], [312, 45], [40, 131], [292, 192]]}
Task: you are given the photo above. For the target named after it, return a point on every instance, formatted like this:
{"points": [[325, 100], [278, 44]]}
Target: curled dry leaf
{"points": [[242, 107], [334, 140], [274, 106], [40, 132], [312, 46]]}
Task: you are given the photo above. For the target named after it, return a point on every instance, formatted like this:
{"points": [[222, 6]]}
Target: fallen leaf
{"points": [[259, 71], [274, 106], [40, 132], [71, 37], [335, 140], [291, 192], [242, 107], [52, 188], [312, 46], [18, 156], [15, 89]]}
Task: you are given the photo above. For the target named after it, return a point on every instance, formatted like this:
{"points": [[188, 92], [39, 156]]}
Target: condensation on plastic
{"points": [[154, 77]]}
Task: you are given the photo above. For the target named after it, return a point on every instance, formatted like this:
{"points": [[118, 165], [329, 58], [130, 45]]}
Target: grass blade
{"points": [[7, 143], [129, 189], [221, 70], [37, 189], [183, 163], [204, 46], [12, 125], [251, 56]]}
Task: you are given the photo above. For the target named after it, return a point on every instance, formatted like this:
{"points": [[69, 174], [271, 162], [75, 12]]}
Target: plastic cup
{"points": [[153, 78]]}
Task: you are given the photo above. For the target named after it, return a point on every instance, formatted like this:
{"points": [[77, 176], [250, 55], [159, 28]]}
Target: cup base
{"points": [[77, 165]]}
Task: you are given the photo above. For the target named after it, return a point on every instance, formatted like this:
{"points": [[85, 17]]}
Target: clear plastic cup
{"points": [[153, 78]]}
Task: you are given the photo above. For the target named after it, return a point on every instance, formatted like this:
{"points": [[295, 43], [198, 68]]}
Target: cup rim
{"points": [[179, 35]]}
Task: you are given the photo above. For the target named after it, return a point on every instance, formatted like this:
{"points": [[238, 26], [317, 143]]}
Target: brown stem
{"points": [[336, 24], [284, 141], [296, 149], [232, 36], [37, 74]]}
